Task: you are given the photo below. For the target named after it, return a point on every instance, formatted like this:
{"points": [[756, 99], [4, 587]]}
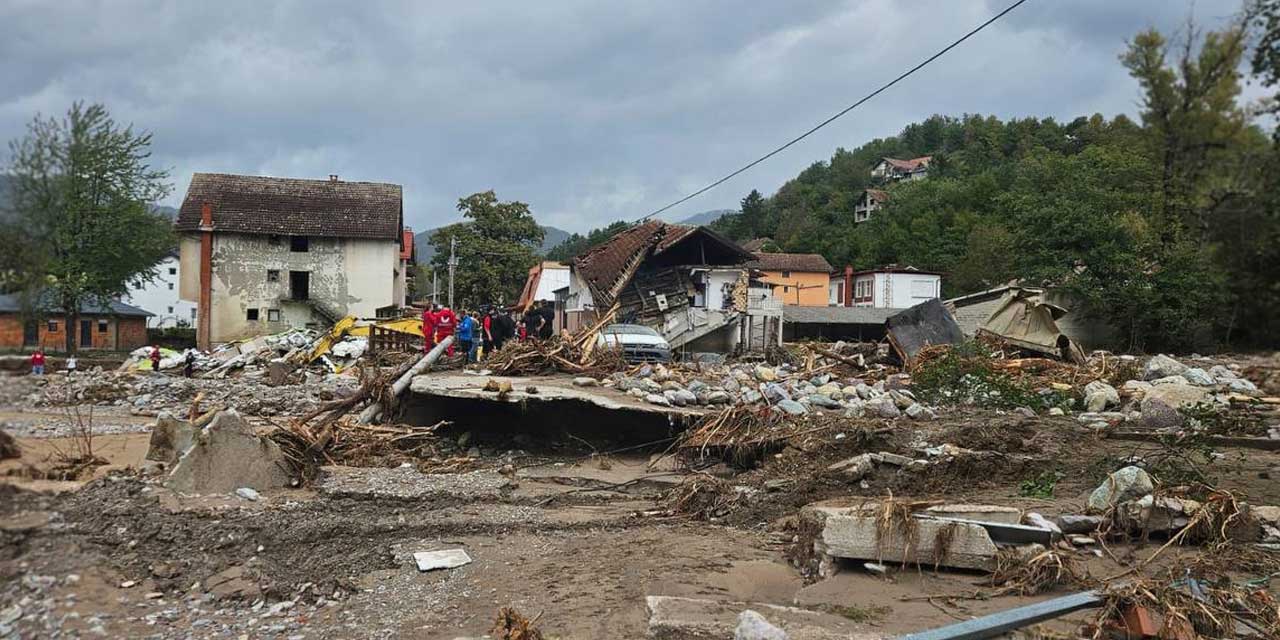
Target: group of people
{"points": [[486, 329], [38, 361]]}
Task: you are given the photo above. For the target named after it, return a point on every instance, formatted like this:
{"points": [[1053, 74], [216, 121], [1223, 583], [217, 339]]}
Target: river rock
{"points": [[1161, 366], [1129, 483]]}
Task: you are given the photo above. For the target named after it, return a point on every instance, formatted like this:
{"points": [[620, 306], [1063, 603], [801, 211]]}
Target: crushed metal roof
{"points": [[608, 267], [806, 262], [293, 206]]}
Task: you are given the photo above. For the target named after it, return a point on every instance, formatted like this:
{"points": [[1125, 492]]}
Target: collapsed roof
{"points": [[293, 206], [608, 267]]}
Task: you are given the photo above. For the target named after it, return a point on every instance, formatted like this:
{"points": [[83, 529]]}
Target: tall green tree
{"points": [[81, 193], [496, 244], [1263, 18]]}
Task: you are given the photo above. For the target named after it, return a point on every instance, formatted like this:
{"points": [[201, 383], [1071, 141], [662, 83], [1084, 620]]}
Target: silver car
{"points": [[638, 342]]}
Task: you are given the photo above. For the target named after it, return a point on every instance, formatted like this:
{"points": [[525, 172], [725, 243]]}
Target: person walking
{"points": [[548, 315], [37, 363], [188, 363], [466, 335], [505, 329], [155, 357], [429, 328], [488, 326], [446, 322], [71, 365]]}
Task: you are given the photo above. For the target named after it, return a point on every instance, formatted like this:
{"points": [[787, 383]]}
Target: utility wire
{"points": [[841, 113]]}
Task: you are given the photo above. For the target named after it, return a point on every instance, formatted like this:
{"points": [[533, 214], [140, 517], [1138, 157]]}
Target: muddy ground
{"points": [[576, 536]]}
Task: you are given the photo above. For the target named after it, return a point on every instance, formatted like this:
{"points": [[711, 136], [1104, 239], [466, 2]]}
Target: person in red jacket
{"points": [[429, 328], [37, 363], [155, 357], [445, 324]]}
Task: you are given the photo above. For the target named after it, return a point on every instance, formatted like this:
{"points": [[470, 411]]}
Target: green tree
{"points": [[577, 244], [82, 187], [1263, 16], [496, 245]]}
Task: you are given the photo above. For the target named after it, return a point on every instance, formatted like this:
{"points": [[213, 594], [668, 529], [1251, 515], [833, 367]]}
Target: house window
{"points": [[170, 309], [251, 315], [299, 285], [173, 271], [193, 314], [273, 241], [273, 275], [171, 286], [785, 289], [53, 326], [273, 315], [786, 274], [299, 244], [102, 326]]}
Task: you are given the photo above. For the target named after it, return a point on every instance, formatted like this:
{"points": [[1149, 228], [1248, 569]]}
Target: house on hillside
{"points": [[889, 287], [160, 297], [893, 169], [688, 283], [109, 326], [260, 255], [799, 279], [868, 203]]}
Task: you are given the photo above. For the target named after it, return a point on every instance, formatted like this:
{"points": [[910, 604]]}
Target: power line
{"points": [[841, 113]]}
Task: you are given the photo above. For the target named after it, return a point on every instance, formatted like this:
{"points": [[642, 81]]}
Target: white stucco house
{"points": [[888, 287], [260, 255], [160, 297]]}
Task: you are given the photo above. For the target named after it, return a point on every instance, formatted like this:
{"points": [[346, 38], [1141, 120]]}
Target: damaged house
{"points": [[689, 284], [261, 254]]}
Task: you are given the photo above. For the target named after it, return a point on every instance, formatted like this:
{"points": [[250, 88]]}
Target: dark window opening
{"points": [[171, 286], [30, 333], [273, 315], [786, 274], [53, 326], [86, 333], [300, 285], [299, 244], [251, 315], [173, 271], [102, 325], [273, 275], [273, 241]]}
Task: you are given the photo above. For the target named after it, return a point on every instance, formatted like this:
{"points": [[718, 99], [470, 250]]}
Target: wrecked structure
{"points": [[263, 254], [1076, 323], [689, 284]]}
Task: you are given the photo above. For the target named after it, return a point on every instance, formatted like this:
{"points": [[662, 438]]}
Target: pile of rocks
{"points": [[784, 388], [1160, 399]]}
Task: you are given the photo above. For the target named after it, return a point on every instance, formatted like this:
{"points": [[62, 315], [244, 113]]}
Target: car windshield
{"points": [[630, 329]]}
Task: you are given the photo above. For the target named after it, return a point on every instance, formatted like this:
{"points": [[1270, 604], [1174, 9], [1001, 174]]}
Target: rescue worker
{"points": [[429, 328], [155, 357], [467, 336], [446, 322]]}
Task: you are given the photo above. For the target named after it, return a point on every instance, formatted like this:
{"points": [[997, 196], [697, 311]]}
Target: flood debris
{"points": [[926, 324], [512, 625], [226, 455], [1026, 321]]}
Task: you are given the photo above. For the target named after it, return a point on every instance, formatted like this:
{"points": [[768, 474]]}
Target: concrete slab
{"points": [[980, 512], [227, 455], [446, 559], [408, 483], [170, 438], [548, 389], [967, 546], [673, 618]]}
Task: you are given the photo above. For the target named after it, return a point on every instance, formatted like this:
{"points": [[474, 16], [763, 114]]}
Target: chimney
{"points": [[333, 177], [848, 285]]}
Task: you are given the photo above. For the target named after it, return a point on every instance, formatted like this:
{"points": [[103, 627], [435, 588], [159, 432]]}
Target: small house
{"points": [[890, 287], [106, 326], [893, 169], [795, 278]]}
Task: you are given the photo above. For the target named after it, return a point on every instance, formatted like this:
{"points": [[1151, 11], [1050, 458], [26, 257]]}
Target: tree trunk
{"points": [[69, 320]]}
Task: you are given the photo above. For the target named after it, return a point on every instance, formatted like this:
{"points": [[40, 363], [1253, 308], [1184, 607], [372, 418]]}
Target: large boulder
{"points": [[227, 455], [1099, 396], [1162, 404], [1162, 366], [170, 438], [1129, 483]]}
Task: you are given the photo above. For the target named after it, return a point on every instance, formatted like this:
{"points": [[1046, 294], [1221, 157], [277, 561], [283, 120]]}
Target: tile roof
{"points": [[755, 244], [879, 194], [808, 262], [607, 267], [909, 165], [12, 303], [293, 206]]}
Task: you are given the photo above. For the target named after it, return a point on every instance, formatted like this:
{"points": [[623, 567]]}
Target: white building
{"points": [[260, 255], [885, 288], [160, 297]]}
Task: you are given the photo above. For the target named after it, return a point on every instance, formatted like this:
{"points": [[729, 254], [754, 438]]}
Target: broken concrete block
{"points": [[884, 457], [446, 559], [170, 438], [856, 468], [927, 542], [979, 512], [1080, 524], [1125, 484], [753, 626], [247, 494], [227, 455], [233, 583], [1151, 514]]}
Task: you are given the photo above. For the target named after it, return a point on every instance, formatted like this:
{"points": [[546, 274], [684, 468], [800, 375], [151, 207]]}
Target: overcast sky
{"points": [[590, 111]]}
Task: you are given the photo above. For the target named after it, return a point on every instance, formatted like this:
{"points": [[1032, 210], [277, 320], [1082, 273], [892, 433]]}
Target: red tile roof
{"points": [[909, 165], [292, 206], [805, 262]]}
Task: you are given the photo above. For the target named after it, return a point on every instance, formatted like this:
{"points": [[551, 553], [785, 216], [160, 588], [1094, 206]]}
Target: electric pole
{"points": [[453, 262], [435, 287]]}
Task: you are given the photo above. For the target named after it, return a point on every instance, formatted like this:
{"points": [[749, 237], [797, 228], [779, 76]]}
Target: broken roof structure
{"points": [[293, 206], [607, 268], [1024, 319]]}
